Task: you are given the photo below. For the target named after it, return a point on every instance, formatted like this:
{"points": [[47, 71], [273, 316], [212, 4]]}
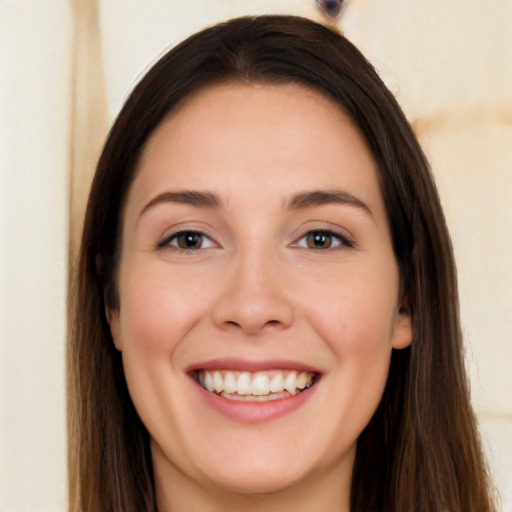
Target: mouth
{"points": [[260, 386]]}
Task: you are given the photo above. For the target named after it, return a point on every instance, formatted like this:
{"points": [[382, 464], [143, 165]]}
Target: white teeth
{"points": [[244, 386], [255, 386], [218, 382], [290, 383], [277, 384], [208, 381], [260, 385], [230, 383], [302, 380]]}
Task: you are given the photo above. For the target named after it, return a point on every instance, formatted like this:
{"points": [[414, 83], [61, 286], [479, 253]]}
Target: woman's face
{"points": [[259, 292]]}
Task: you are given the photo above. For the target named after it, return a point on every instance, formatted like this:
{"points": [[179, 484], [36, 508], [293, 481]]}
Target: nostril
{"points": [[236, 324], [251, 327]]}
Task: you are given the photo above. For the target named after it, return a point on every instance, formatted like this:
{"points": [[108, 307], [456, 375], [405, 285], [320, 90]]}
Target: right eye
{"points": [[323, 240], [187, 240]]}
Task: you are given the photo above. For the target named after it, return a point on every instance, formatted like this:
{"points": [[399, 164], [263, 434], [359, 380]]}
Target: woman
{"points": [[265, 314]]}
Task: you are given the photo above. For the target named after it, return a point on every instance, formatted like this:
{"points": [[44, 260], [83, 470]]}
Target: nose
{"points": [[254, 297]]}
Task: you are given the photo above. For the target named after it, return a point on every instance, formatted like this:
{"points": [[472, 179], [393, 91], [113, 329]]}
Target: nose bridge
{"points": [[254, 294]]}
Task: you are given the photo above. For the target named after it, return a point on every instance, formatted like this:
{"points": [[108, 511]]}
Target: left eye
{"points": [[322, 239], [188, 240]]}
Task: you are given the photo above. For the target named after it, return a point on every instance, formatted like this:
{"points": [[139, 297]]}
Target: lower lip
{"points": [[254, 412]]}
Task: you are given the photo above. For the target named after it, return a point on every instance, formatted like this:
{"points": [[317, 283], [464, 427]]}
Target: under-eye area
{"points": [[258, 386]]}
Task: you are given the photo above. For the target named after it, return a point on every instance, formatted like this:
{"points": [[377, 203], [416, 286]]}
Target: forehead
{"points": [[229, 138], [285, 107]]}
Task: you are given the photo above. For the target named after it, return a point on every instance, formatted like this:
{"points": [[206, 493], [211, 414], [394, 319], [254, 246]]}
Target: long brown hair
{"points": [[421, 450]]}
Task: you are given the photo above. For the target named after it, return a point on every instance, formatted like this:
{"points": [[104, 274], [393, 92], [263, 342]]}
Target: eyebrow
{"points": [[314, 198], [191, 197], [299, 201]]}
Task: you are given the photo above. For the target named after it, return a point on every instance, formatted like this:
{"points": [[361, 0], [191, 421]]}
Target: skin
{"points": [[256, 291]]}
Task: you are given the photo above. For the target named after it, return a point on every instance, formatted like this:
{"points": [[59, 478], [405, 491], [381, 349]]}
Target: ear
{"points": [[403, 333], [112, 316]]}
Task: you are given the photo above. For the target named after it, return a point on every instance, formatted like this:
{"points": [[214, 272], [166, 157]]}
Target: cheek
{"points": [[356, 320], [358, 312], [156, 310]]}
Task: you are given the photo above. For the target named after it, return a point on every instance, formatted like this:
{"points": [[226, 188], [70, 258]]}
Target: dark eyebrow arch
{"points": [[190, 197], [323, 197], [302, 200]]}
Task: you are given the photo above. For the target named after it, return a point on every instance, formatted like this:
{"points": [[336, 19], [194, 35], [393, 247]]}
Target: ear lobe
{"points": [[112, 316], [402, 337]]}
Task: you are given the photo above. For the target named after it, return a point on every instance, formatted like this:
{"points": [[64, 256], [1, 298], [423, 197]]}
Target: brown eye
{"points": [[319, 240], [187, 241], [322, 239]]}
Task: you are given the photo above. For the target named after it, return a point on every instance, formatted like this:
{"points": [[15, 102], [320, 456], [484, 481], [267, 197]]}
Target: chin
{"points": [[257, 481]]}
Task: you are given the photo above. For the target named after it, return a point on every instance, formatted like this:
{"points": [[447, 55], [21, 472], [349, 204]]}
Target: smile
{"points": [[261, 386]]}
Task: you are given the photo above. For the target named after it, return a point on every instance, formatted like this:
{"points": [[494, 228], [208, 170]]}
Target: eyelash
{"points": [[342, 240]]}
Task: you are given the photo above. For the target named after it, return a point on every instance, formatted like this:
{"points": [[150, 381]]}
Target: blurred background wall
{"points": [[65, 68]]}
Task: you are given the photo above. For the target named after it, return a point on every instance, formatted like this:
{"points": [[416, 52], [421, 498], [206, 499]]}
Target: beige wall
{"points": [[35, 100], [65, 68]]}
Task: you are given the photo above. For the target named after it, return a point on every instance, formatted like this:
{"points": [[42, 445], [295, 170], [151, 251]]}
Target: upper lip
{"points": [[251, 365]]}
